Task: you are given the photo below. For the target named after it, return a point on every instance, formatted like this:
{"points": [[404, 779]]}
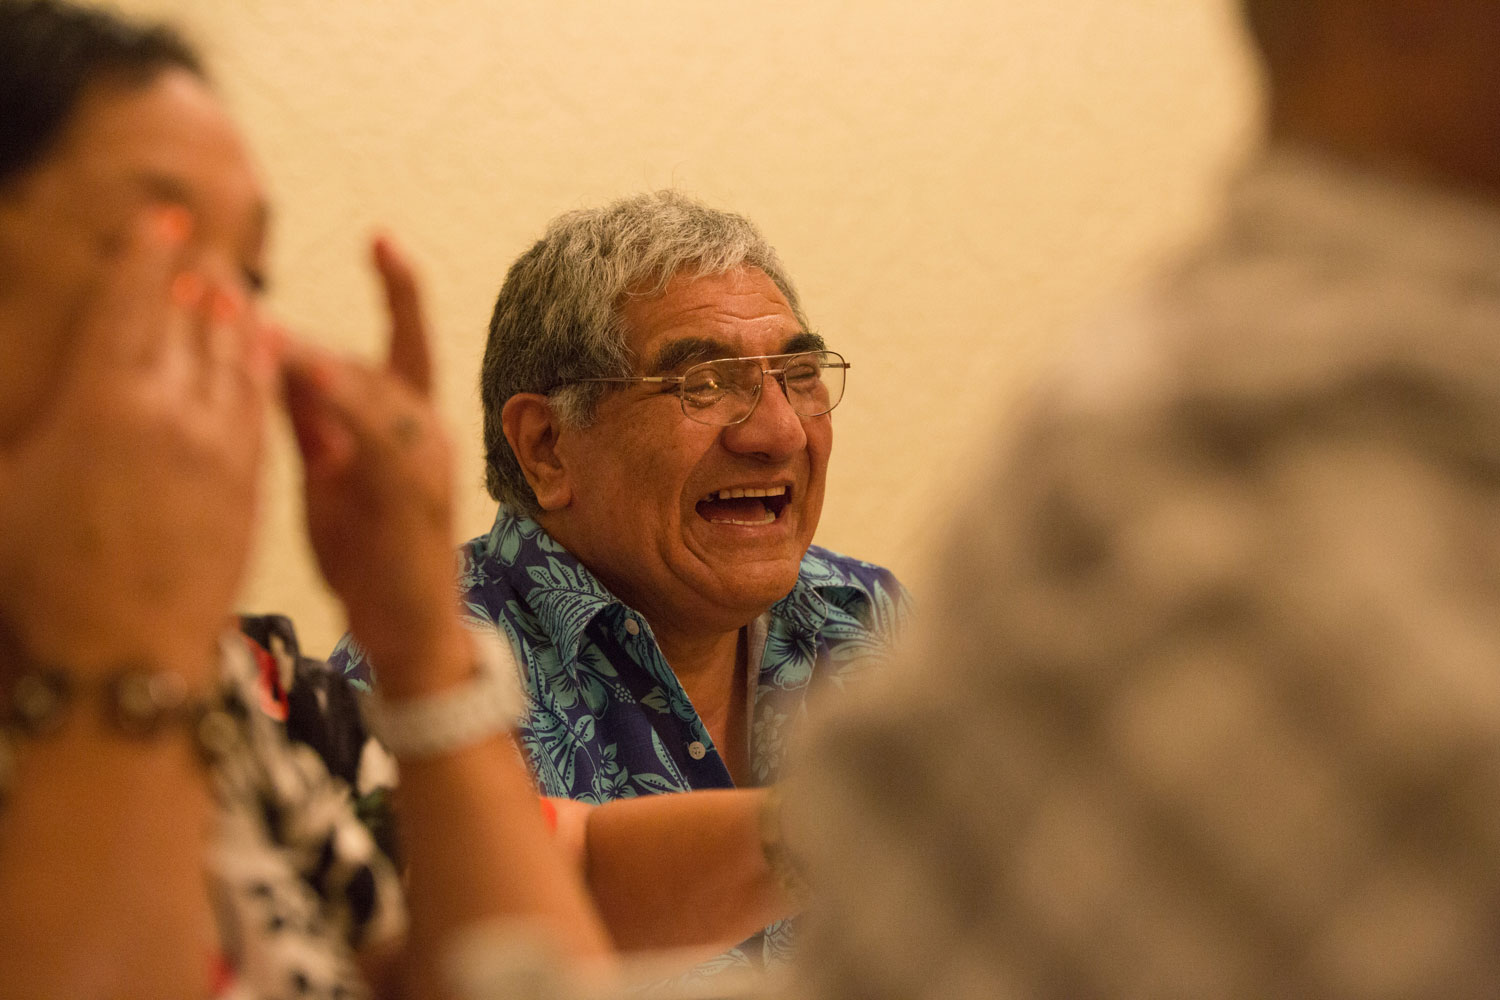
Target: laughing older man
{"points": [[657, 432]]}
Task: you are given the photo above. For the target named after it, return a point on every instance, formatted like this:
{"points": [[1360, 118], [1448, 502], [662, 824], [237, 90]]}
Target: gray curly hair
{"points": [[557, 318]]}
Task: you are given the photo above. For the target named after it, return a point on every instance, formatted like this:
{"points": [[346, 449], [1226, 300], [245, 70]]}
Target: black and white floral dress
{"points": [[299, 885]]}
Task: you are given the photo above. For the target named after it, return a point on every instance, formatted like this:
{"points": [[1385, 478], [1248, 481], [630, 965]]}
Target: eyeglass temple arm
{"points": [[661, 379], [632, 378]]}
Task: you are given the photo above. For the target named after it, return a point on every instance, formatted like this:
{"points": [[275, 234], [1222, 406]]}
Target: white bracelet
{"points": [[493, 702]]}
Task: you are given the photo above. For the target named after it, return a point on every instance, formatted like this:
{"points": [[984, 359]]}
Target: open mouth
{"points": [[747, 505]]}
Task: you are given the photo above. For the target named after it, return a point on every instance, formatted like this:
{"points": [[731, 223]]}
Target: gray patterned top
{"points": [[1209, 703]]}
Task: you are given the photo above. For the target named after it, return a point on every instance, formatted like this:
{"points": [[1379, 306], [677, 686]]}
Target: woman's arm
{"points": [[378, 485], [682, 871]]}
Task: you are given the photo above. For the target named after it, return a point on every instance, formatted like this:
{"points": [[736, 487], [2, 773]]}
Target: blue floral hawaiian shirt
{"points": [[608, 718]]}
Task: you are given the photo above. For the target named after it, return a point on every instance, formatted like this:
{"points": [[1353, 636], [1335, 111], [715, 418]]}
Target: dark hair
{"points": [[1282, 30], [52, 51]]}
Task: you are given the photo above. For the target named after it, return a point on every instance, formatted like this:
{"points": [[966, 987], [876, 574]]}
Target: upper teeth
{"points": [[748, 491]]}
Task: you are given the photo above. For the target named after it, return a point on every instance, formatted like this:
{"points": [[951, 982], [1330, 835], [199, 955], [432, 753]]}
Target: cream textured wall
{"points": [[954, 185]]}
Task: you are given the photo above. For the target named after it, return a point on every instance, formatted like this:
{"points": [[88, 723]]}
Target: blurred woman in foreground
{"points": [[157, 832]]}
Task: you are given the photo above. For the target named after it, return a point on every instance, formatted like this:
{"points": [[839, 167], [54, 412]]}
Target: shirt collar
{"points": [[821, 582], [559, 590], [566, 597]]}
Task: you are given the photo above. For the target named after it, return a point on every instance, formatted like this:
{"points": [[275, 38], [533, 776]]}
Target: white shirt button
{"points": [[632, 627], [697, 750]]}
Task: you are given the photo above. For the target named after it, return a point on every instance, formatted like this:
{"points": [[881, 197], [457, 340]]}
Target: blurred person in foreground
{"points": [[1222, 632], [658, 428], [159, 836]]}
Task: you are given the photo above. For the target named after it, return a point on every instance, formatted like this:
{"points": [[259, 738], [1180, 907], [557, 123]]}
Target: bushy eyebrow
{"points": [[804, 341], [691, 350], [687, 351]]}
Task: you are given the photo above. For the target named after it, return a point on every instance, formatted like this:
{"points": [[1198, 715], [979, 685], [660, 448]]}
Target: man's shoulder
{"points": [[482, 568], [502, 559], [826, 568], [870, 592]]}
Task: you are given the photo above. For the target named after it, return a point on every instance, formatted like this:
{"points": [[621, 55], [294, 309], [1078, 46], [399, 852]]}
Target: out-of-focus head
{"points": [[559, 315], [100, 119], [1282, 30], [1396, 84], [51, 53], [696, 524]]}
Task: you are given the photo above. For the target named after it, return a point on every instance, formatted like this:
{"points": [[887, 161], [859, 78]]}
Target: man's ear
{"points": [[532, 428]]}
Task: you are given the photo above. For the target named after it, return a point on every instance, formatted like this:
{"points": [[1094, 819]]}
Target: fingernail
{"points": [[187, 289], [172, 223]]}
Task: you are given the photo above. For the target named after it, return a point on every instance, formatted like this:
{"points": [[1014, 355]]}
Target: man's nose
{"points": [[773, 429]]}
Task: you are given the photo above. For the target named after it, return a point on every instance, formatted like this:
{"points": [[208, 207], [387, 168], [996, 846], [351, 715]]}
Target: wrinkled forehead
{"points": [[740, 312], [678, 354]]}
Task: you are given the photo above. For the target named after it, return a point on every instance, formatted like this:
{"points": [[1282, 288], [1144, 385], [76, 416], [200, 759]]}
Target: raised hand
{"points": [[379, 482], [379, 511], [127, 504]]}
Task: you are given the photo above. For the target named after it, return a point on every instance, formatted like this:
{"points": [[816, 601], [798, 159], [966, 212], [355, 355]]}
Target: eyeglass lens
{"points": [[725, 391]]}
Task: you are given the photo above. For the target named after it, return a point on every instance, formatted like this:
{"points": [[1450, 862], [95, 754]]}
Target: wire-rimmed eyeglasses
{"points": [[725, 391]]}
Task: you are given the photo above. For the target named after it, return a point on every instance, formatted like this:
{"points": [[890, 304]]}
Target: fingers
{"points": [[180, 322], [123, 322], [343, 412], [323, 436], [236, 351], [379, 408], [410, 356], [223, 342], [366, 428]]}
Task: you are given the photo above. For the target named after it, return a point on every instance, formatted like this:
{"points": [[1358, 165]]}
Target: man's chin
{"points": [[753, 587], [749, 565]]}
